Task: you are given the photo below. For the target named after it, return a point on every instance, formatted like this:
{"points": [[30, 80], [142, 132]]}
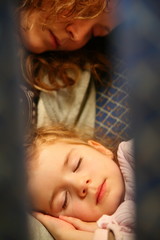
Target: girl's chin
{"points": [[92, 218]]}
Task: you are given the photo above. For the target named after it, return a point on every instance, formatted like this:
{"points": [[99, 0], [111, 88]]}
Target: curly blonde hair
{"points": [[57, 65], [77, 9]]}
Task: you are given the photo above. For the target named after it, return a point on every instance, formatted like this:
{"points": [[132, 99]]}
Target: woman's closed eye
{"points": [[77, 165]]}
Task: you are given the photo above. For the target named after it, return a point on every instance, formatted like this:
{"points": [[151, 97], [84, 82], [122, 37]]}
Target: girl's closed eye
{"points": [[77, 165], [65, 203]]}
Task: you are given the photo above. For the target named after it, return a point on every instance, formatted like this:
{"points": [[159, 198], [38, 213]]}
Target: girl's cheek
{"points": [[79, 209]]}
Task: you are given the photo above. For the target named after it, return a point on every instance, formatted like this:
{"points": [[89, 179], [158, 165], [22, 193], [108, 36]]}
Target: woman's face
{"points": [[76, 180], [64, 35]]}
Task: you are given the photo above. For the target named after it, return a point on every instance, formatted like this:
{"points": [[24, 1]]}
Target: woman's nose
{"points": [[77, 31]]}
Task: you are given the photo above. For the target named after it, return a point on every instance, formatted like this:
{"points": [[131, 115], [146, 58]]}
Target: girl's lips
{"points": [[100, 192]]}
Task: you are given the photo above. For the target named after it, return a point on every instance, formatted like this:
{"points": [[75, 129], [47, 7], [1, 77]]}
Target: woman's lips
{"points": [[100, 192], [54, 41]]}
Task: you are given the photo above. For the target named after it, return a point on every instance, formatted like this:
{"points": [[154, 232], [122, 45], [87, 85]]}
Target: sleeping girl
{"points": [[79, 189]]}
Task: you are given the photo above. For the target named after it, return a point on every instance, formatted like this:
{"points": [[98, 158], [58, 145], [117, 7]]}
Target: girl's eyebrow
{"points": [[67, 157]]}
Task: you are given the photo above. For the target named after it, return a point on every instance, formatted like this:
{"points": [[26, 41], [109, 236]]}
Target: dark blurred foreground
{"points": [[12, 204], [142, 51]]}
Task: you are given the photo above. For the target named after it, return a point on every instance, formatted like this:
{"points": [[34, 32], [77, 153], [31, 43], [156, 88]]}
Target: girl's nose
{"points": [[82, 187], [77, 31]]}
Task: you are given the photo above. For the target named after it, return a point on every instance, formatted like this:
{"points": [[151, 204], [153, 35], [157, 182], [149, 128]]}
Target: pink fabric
{"points": [[122, 222]]}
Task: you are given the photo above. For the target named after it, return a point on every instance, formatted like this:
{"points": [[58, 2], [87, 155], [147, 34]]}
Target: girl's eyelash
{"points": [[78, 165], [64, 206], [65, 201]]}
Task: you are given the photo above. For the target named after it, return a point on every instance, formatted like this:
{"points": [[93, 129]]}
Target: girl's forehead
{"points": [[62, 141], [59, 148]]}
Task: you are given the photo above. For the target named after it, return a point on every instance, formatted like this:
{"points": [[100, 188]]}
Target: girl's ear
{"points": [[101, 148]]}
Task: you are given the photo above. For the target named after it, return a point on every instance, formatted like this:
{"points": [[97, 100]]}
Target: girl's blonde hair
{"points": [[48, 135], [57, 65]]}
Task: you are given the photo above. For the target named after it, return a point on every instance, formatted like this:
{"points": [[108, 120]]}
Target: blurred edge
{"points": [[141, 49], [13, 221]]}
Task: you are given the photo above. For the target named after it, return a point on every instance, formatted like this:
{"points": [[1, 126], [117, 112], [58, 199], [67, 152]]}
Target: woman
{"points": [[63, 26], [60, 25], [50, 31]]}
